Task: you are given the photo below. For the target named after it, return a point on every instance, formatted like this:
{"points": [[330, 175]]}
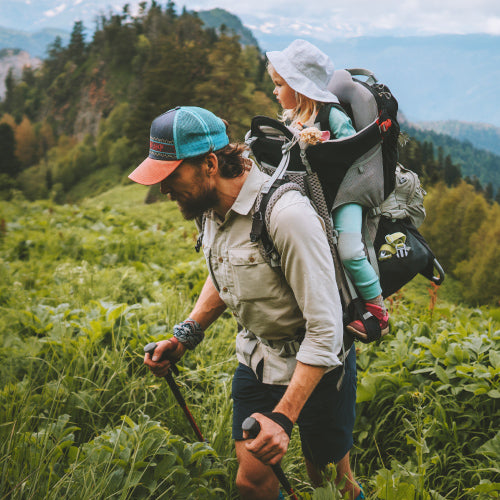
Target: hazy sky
{"points": [[330, 18], [323, 19]]}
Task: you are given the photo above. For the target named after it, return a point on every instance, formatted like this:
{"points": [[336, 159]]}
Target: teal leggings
{"points": [[348, 219]]}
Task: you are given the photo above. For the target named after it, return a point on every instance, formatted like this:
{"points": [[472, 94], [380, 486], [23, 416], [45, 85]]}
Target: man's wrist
{"points": [[282, 420], [189, 333]]}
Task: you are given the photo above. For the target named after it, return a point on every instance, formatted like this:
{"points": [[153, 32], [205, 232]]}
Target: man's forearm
{"points": [[209, 305], [305, 379]]}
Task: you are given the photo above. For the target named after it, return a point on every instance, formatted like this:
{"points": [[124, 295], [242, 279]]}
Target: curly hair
{"points": [[231, 161]]}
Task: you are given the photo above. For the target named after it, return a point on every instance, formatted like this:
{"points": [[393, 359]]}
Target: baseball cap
{"points": [[180, 133]]}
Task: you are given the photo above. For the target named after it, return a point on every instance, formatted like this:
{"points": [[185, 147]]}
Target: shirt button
{"points": [[252, 259], [224, 289], [221, 259]]}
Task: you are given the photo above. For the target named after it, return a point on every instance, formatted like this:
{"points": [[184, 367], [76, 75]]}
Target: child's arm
{"points": [[340, 124]]}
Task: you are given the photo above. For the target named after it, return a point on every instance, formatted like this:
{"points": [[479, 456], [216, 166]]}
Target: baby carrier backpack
{"points": [[363, 169]]}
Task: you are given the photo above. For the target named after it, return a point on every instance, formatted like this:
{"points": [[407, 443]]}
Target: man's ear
{"points": [[212, 164]]}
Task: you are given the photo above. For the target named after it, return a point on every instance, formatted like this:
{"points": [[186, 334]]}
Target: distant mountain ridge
{"points": [[35, 43], [215, 18], [481, 135], [473, 162]]}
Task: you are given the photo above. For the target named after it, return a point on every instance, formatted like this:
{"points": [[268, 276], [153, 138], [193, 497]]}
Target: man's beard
{"points": [[196, 207]]}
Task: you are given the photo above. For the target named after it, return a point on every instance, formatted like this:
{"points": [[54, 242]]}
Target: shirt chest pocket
{"points": [[253, 277]]}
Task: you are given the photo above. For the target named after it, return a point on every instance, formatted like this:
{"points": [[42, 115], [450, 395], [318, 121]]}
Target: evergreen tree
{"points": [[77, 47], [227, 91], [488, 191], [171, 11], [9, 163], [451, 172], [10, 84], [177, 62], [54, 63]]}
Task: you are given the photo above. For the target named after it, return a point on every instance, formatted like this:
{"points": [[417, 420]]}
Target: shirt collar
{"points": [[249, 191]]}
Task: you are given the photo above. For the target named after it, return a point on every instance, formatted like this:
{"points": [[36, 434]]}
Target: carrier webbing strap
{"points": [[258, 219], [259, 230]]}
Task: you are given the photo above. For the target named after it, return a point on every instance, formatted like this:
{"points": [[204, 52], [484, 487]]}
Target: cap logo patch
{"points": [[165, 148]]}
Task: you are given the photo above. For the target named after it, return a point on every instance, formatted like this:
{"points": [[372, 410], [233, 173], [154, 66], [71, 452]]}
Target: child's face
{"points": [[283, 92]]}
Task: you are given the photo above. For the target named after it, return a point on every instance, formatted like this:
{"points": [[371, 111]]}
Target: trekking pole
{"points": [[149, 349], [252, 426]]}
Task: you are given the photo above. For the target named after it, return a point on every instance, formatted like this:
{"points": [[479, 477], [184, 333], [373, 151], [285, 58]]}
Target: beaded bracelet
{"points": [[189, 332]]}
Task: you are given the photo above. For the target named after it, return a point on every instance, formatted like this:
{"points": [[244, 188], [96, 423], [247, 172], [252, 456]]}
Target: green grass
{"points": [[84, 287]]}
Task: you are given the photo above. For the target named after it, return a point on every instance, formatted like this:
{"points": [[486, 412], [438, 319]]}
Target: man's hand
{"points": [[271, 443], [170, 350]]}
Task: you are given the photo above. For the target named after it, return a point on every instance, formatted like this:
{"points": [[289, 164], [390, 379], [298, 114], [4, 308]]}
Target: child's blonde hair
{"points": [[305, 109]]}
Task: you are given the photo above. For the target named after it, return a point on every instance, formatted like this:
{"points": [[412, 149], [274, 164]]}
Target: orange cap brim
{"points": [[152, 171]]}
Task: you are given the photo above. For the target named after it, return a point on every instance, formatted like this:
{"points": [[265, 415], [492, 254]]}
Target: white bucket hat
{"points": [[306, 69]]}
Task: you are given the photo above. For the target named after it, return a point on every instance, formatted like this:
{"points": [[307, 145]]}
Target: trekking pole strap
{"points": [[282, 420]]}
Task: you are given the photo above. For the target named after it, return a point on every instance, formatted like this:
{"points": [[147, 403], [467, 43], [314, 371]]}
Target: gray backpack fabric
{"points": [[364, 181], [354, 169], [406, 201]]}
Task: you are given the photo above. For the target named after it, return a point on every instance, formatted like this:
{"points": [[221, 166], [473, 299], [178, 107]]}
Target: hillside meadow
{"points": [[84, 287]]}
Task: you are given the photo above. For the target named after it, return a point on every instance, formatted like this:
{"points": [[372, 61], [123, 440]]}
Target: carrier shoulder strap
{"points": [[260, 219], [323, 116], [259, 230]]}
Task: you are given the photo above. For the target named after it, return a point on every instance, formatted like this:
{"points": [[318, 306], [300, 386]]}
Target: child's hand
{"points": [[312, 135]]}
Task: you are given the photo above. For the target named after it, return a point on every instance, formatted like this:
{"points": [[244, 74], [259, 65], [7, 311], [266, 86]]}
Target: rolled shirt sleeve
{"points": [[299, 236]]}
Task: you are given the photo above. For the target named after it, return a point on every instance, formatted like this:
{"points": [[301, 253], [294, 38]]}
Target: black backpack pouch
{"points": [[402, 253]]}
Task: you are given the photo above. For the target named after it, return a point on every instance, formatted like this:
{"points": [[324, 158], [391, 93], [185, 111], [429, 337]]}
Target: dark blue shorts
{"points": [[325, 423]]}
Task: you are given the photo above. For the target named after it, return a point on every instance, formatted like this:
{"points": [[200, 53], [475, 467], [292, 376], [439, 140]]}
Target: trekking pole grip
{"points": [[150, 349], [252, 426]]}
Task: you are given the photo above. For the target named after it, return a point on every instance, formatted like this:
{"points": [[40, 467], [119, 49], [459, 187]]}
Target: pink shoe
{"points": [[357, 327]]}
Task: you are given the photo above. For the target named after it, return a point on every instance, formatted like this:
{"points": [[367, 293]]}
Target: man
{"points": [[291, 321]]}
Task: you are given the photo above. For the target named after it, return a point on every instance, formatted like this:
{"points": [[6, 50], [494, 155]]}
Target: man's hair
{"points": [[231, 162]]}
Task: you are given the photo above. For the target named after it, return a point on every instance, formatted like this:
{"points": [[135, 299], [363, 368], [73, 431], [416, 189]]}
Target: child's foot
{"points": [[357, 327]]}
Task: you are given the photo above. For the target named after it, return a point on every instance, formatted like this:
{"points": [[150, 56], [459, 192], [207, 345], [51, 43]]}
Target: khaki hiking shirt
{"points": [[275, 308]]}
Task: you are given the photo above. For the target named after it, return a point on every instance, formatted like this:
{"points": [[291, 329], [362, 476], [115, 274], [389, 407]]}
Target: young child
{"points": [[301, 74]]}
